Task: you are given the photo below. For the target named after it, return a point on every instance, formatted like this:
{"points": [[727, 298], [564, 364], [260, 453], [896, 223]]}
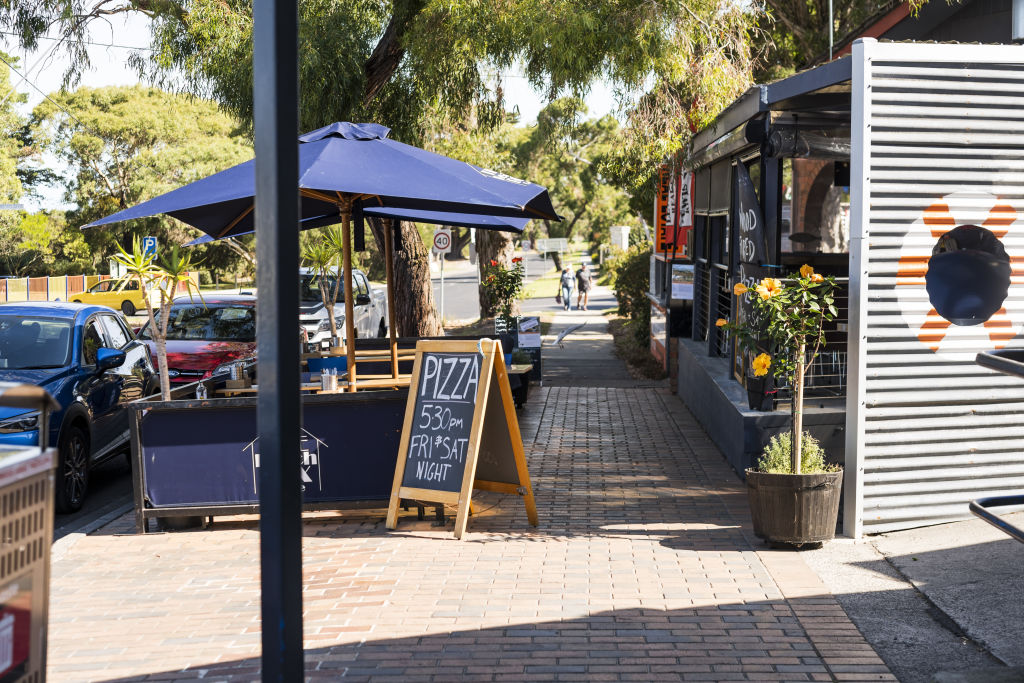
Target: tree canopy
{"points": [[118, 146]]}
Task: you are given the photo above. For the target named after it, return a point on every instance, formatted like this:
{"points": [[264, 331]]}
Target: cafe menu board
{"points": [[751, 222], [461, 432], [442, 420], [746, 314]]}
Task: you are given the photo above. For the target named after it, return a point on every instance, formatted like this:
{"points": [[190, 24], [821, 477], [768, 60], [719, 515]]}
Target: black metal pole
{"points": [[276, 123]]}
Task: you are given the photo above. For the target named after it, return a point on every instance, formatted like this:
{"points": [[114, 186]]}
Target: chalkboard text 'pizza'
{"points": [[450, 377]]}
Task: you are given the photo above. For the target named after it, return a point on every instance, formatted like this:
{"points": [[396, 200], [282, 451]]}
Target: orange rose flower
{"points": [[721, 322], [815, 277], [806, 271], [739, 289]]}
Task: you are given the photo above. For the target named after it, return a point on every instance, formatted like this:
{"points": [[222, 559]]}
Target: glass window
{"points": [[92, 341], [116, 332], [27, 343], [101, 287], [360, 286], [309, 289], [210, 323], [815, 209]]}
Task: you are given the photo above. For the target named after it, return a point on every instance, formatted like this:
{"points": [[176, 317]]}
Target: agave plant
{"points": [[161, 279]]}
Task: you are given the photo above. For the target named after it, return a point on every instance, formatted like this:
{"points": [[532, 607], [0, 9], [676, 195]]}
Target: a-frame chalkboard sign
{"points": [[461, 432]]}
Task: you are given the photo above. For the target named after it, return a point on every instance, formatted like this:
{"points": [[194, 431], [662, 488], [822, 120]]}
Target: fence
{"points": [[60, 288]]}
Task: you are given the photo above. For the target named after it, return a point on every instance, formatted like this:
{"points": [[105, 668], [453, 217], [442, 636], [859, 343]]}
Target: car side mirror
{"points": [[362, 299], [108, 359]]}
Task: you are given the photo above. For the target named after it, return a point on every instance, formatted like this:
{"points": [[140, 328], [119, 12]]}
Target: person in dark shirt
{"points": [[583, 285]]}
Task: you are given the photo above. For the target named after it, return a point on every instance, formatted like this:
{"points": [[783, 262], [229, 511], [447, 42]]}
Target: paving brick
{"points": [[643, 568]]}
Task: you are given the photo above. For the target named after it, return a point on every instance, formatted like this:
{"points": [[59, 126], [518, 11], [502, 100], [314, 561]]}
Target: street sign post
{"points": [[442, 246], [149, 246]]}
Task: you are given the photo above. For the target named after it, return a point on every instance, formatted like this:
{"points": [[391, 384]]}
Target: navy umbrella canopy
{"points": [[343, 162], [462, 220]]}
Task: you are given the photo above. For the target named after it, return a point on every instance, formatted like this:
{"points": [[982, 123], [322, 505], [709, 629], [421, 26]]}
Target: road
{"points": [[110, 491], [461, 300]]}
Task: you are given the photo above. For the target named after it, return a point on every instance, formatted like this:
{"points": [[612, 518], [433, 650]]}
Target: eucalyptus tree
{"points": [[118, 146], [405, 62]]}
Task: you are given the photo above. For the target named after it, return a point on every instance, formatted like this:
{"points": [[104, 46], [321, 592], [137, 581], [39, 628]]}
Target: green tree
{"points": [[567, 153], [123, 145], [403, 63]]}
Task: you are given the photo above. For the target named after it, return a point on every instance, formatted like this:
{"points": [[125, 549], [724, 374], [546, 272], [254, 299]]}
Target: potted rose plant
{"points": [[503, 286], [793, 492]]}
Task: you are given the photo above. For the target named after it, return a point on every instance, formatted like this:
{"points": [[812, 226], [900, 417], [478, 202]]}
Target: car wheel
{"points": [[382, 331], [72, 469], [128, 308]]}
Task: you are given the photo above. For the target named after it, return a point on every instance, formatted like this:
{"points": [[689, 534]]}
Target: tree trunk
{"points": [[160, 337], [460, 238], [415, 310], [798, 406], [492, 245]]}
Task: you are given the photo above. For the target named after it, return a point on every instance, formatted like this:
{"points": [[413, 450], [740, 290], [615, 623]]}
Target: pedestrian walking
{"points": [[566, 285], [583, 285]]}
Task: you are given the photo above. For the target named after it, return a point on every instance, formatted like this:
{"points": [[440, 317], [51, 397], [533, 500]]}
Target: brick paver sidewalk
{"points": [[642, 569]]}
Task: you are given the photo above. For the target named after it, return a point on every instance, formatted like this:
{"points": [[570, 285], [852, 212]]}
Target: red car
{"points": [[203, 335]]}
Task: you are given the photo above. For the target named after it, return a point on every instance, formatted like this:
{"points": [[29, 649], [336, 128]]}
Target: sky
{"points": [[113, 42]]}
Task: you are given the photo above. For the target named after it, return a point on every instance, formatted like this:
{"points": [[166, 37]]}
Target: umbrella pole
{"points": [[350, 336], [389, 262]]}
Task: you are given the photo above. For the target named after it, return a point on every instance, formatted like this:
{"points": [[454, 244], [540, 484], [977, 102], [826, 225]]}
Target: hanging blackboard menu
{"points": [[461, 431], [749, 219]]}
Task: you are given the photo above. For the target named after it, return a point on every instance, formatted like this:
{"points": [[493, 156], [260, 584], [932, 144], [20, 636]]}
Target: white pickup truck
{"points": [[370, 308]]}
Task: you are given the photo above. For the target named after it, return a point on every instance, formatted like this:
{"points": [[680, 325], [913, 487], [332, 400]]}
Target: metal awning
{"points": [[822, 93]]}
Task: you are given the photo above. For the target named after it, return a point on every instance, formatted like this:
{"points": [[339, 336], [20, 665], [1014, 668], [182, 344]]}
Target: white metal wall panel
{"points": [[942, 135]]}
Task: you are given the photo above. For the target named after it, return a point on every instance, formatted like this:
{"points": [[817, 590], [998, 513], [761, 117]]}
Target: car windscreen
{"points": [[34, 342], [309, 289], [210, 323]]}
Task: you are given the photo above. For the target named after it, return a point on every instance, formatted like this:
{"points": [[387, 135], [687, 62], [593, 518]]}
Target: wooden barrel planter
{"points": [[794, 508]]}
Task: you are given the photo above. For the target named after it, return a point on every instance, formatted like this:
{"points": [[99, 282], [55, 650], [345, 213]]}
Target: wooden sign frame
{"points": [[493, 365]]}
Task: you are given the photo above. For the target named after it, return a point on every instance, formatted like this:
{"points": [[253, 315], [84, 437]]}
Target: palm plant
{"points": [[161, 279], [324, 257]]}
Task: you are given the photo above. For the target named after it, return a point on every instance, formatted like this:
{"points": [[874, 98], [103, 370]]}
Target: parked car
{"points": [[128, 299], [205, 335], [89, 360], [370, 308]]}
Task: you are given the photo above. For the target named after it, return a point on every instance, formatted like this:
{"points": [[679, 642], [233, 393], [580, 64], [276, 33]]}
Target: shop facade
{"points": [[872, 168]]}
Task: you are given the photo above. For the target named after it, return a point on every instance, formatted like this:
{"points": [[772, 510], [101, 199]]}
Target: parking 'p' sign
{"points": [[149, 246], [442, 240]]}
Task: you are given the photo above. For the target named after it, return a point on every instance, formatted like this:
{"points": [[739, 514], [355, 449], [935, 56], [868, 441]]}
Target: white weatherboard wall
{"points": [[937, 136]]}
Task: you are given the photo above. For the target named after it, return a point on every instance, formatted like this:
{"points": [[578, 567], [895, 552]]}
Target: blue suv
{"points": [[89, 360]]}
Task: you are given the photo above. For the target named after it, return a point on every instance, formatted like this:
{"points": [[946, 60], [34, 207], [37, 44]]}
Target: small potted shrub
{"points": [[794, 508], [793, 494]]}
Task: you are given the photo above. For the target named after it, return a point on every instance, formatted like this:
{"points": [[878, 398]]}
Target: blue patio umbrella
{"points": [[347, 166], [343, 162], [461, 220]]}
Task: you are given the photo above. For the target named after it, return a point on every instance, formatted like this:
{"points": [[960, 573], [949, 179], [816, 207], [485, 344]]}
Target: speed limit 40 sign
{"points": [[442, 240]]}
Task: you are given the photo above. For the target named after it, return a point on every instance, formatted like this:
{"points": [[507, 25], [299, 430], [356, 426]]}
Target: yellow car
{"points": [[107, 293]]}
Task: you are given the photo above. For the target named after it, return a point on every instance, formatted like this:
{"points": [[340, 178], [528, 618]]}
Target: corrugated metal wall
{"points": [[938, 141]]}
